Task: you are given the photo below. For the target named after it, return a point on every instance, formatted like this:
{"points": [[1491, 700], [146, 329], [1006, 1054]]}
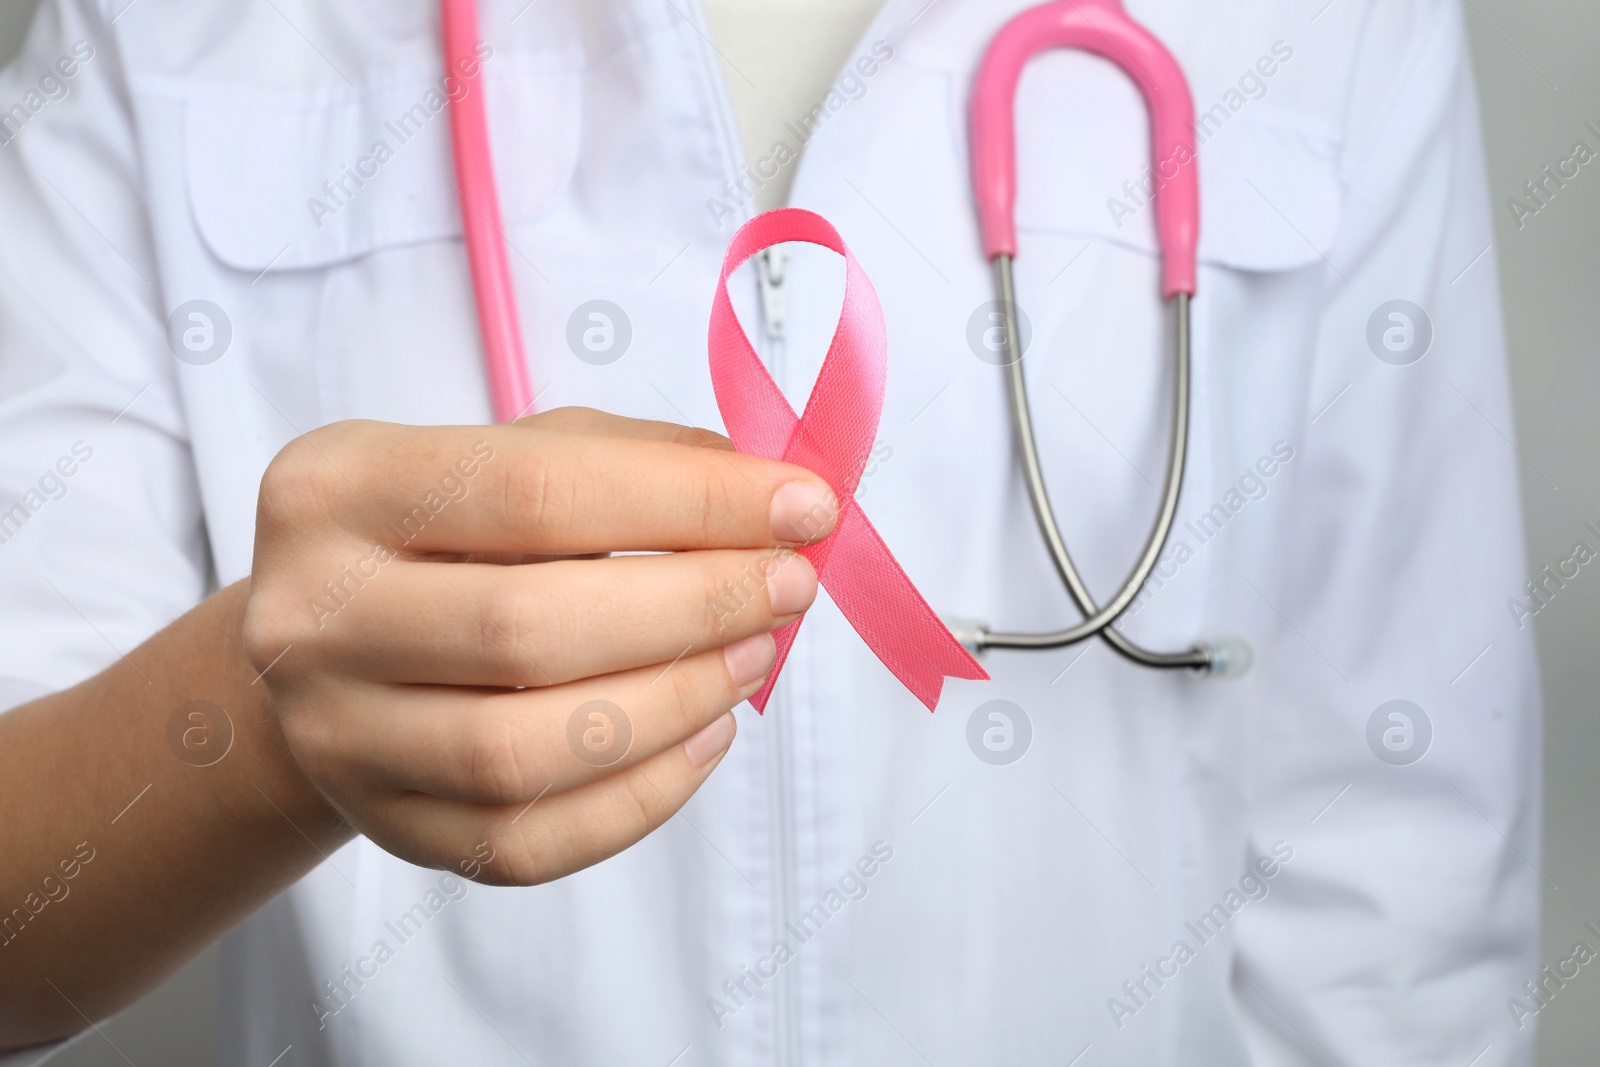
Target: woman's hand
{"points": [[464, 672]]}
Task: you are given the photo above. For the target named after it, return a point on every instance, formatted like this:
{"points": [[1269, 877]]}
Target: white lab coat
{"points": [[1019, 913]]}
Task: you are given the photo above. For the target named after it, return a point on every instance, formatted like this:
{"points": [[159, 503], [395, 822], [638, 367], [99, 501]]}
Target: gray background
{"points": [[1538, 82]]}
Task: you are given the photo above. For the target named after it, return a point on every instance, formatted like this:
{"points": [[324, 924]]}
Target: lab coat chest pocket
{"points": [[293, 180], [1270, 194], [327, 225]]}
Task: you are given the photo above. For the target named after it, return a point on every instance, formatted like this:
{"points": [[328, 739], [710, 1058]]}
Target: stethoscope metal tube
{"points": [[1226, 657], [1098, 620]]}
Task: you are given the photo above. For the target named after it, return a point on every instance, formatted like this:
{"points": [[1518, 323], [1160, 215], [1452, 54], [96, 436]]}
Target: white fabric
{"points": [[1008, 905]]}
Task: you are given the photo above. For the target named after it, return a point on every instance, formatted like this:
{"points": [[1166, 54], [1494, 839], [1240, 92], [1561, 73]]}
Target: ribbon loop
{"points": [[834, 439]]}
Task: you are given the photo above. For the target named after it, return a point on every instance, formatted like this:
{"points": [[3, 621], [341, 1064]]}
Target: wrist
{"points": [[267, 777]]}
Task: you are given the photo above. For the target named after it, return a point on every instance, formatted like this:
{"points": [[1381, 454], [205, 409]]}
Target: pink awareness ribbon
{"points": [[833, 439]]}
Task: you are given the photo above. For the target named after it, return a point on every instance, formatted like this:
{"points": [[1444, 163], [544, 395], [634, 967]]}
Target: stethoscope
{"points": [[1100, 27]]}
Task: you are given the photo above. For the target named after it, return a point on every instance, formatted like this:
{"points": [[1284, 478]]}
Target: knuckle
{"points": [[273, 622], [519, 858], [300, 483], [261, 628], [540, 495], [711, 499], [722, 609], [695, 437], [518, 629], [494, 768], [501, 633], [694, 686], [644, 806], [573, 418], [718, 504], [734, 595], [313, 742]]}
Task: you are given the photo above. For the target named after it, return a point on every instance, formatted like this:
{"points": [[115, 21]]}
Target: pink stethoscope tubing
{"points": [[501, 331], [1102, 28]]}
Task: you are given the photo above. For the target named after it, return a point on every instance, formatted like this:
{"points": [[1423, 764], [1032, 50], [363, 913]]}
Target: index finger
{"points": [[603, 423], [529, 488]]}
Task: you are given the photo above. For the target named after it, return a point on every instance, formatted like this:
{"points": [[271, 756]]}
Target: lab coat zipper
{"points": [[786, 991], [784, 987], [773, 271], [774, 267]]}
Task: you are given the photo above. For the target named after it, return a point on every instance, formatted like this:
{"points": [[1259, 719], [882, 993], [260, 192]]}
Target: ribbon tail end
{"points": [[929, 689]]}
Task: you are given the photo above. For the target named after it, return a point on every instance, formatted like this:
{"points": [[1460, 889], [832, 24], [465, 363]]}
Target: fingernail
{"points": [[711, 741], [749, 659], [802, 513], [791, 584]]}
